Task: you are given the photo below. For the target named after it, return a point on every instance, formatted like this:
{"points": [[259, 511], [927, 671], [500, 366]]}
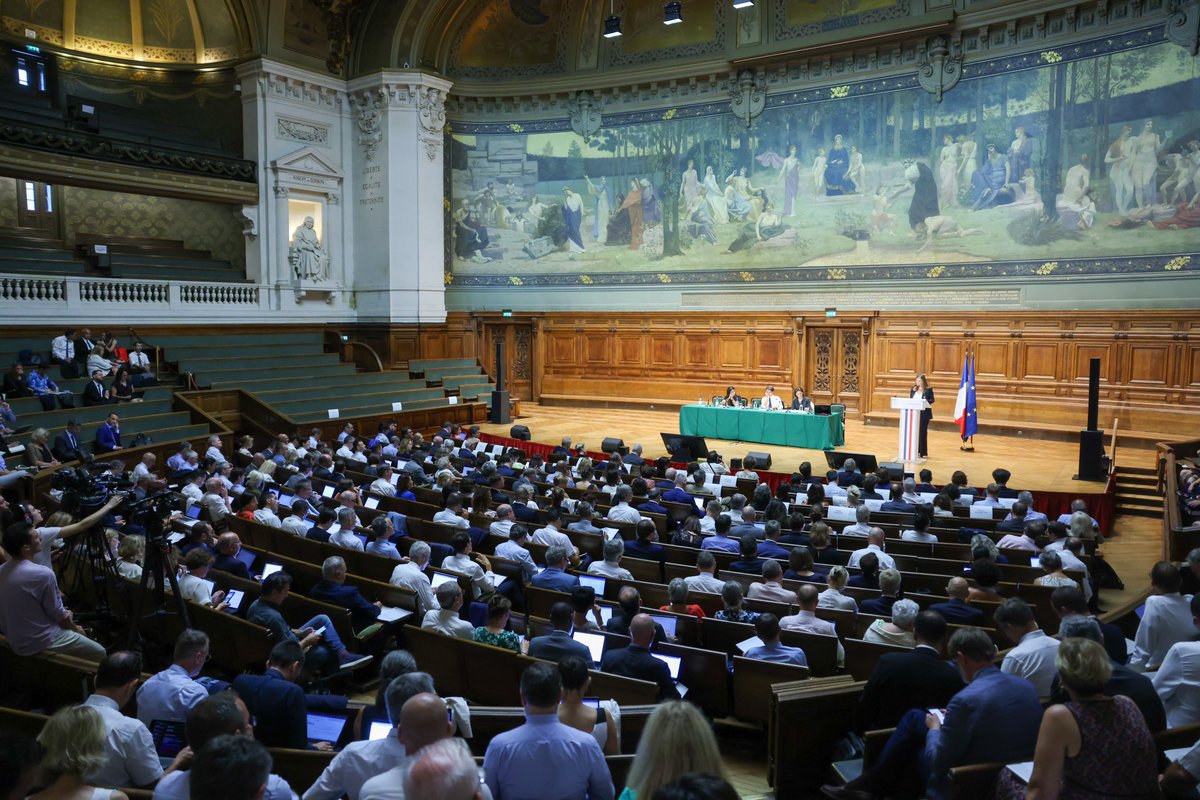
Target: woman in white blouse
{"points": [[833, 597]]}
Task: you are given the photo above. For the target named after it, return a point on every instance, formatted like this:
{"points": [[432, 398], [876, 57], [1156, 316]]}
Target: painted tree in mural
{"points": [[667, 142]]}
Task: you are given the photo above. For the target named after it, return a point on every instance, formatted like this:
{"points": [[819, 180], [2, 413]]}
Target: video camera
{"points": [[85, 489]]}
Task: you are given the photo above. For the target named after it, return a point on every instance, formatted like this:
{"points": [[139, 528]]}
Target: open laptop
{"points": [[246, 557], [606, 613], [379, 730], [271, 569], [594, 643], [595, 581], [673, 664], [667, 622], [169, 735], [326, 491], [325, 728], [193, 511]]}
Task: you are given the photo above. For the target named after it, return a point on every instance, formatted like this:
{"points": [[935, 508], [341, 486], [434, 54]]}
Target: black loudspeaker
{"points": [[895, 471], [761, 460], [501, 413], [1094, 395], [1092, 463], [613, 445], [520, 432]]}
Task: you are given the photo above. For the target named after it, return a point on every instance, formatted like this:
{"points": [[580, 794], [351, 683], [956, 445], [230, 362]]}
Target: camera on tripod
{"points": [[83, 491]]}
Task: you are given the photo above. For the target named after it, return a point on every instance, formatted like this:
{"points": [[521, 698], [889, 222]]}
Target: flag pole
{"points": [[969, 448]]}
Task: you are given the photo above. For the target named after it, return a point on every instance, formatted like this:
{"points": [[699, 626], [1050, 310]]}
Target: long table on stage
{"points": [[788, 428]]}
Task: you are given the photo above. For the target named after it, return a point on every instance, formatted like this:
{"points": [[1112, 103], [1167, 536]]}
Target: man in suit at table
{"points": [[279, 706], [652, 506], [918, 678], [558, 642], [771, 401], [555, 576], [67, 445], [635, 661], [956, 610], [108, 435], [995, 718], [849, 475]]}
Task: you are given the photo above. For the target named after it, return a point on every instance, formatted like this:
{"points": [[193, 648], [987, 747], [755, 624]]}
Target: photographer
{"points": [[47, 536]]}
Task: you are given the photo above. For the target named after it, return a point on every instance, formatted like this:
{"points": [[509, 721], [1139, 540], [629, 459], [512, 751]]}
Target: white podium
{"points": [[910, 426]]}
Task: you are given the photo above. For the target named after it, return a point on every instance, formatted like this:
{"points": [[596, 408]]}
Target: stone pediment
{"points": [[306, 161]]}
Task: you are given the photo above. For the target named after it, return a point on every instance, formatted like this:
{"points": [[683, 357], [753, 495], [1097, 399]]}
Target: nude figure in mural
{"points": [[942, 227], [689, 184], [857, 171], [1120, 169], [818, 172], [308, 260], [1145, 166], [715, 196]]}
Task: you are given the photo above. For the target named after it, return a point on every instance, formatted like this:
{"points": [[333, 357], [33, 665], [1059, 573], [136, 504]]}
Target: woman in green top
{"points": [[677, 739], [496, 633]]}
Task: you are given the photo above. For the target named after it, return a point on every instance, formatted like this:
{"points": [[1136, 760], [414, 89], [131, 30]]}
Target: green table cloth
{"points": [[788, 428]]}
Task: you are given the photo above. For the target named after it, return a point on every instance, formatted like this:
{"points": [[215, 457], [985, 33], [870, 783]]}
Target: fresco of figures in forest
{"points": [[1092, 153]]}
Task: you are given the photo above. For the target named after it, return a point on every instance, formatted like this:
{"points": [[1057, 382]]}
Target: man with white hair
{"points": [[586, 514], [345, 536], [214, 449], [445, 618], [708, 523], [445, 770], [215, 500], [610, 567], [504, 520], [1031, 515], [634, 457], [412, 576], [145, 466], [910, 492], [862, 525]]}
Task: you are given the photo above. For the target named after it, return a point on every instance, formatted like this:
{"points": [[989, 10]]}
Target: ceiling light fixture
{"points": [[612, 23], [673, 13], [740, 4]]}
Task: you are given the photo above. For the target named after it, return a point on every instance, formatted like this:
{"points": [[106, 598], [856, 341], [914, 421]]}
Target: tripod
{"points": [[158, 547]]}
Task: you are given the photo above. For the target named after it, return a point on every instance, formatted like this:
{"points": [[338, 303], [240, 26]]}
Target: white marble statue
{"points": [[308, 259]]}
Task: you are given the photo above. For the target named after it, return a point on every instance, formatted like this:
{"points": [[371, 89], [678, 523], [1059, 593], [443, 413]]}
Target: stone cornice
{"points": [[295, 84]]}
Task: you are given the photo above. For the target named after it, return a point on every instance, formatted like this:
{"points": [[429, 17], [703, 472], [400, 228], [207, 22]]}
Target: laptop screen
{"points": [[234, 599], [246, 557], [170, 736], [593, 641], [193, 510], [441, 577], [596, 582], [325, 727], [379, 730], [672, 663], [668, 623], [285, 500], [372, 502], [606, 613], [327, 491], [271, 569]]}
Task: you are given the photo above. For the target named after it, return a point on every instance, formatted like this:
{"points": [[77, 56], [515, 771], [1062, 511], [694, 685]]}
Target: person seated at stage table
{"points": [[771, 401], [801, 401], [732, 398]]}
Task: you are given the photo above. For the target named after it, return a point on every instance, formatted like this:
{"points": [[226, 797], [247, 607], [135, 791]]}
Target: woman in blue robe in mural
{"points": [[837, 170], [989, 184]]}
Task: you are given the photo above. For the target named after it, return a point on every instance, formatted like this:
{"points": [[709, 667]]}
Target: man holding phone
{"points": [[325, 651]]}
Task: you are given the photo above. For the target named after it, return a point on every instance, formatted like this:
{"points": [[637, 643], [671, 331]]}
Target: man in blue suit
{"points": [[996, 718], [279, 705], [558, 642], [332, 589], [896, 502], [678, 494], [849, 475], [108, 435], [955, 610], [652, 506], [555, 576]]}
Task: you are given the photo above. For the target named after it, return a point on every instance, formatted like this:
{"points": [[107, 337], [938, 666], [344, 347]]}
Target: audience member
{"points": [[610, 567], [1033, 656], [771, 587], [889, 593], [545, 758], [832, 597], [771, 649], [496, 632], [1177, 680], [635, 660], [602, 721], [317, 635], [705, 579], [677, 600], [676, 741], [411, 575], [230, 768], [731, 596], [279, 704], [555, 576], [332, 589], [170, 695], [1167, 618], [444, 770], [957, 610], [918, 678], [445, 618], [74, 743]]}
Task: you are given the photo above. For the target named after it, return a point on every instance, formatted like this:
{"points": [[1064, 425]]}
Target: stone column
{"points": [[397, 192]]}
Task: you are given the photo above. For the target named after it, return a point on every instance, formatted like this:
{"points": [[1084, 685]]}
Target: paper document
{"points": [[1023, 770], [389, 614], [749, 644]]}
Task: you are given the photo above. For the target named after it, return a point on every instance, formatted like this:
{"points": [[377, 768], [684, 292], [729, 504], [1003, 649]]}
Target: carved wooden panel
{"points": [[900, 356], [662, 349], [732, 353], [597, 350], [521, 365], [1082, 361], [697, 350], [851, 361], [1039, 361], [1191, 359], [1149, 363], [945, 359]]}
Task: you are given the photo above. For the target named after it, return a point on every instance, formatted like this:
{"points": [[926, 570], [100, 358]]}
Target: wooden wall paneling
{"points": [[1038, 361], [1150, 363]]}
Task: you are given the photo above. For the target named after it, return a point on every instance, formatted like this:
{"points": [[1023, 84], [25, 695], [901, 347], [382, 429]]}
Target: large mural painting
{"points": [[1078, 161]]}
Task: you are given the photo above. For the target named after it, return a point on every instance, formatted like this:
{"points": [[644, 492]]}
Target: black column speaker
{"points": [[1092, 463], [501, 410]]}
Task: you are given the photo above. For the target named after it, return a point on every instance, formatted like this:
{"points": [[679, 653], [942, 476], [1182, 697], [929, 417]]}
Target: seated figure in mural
{"points": [[738, 192], [768, 225], [470, 238], [1026, 193], [837, 170], [651, 210], [943, 227], [308, 260], [1075, 206], [989, 184], [716, 198]]}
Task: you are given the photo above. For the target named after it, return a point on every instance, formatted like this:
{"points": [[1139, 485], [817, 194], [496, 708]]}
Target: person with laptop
{"points": [[332, 589], [469, 563], [602, 719], [171, 694], [317, 636], [636, 661], [629, 601], [280, 705], [771, 649], [558, 643], [229, 547], [411, 575], [555, 576], [445, 618], [514, 550], [129, 755], [610, 567], [345, 536]]}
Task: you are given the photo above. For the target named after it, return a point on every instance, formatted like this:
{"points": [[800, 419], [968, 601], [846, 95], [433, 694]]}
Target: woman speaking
{"points": [[921, 388]]}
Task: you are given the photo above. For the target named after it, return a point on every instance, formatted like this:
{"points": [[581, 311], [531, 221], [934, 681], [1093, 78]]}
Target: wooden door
{"points": [[833, 365], [518, 355], [37, 206]]}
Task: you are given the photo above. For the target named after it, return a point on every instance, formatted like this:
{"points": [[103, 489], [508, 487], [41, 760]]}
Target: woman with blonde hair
{"points": [[1093, 746], [677, 740], [74, 741], [38, 453], [1080, 526], [131, 553], [832, 597]]}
